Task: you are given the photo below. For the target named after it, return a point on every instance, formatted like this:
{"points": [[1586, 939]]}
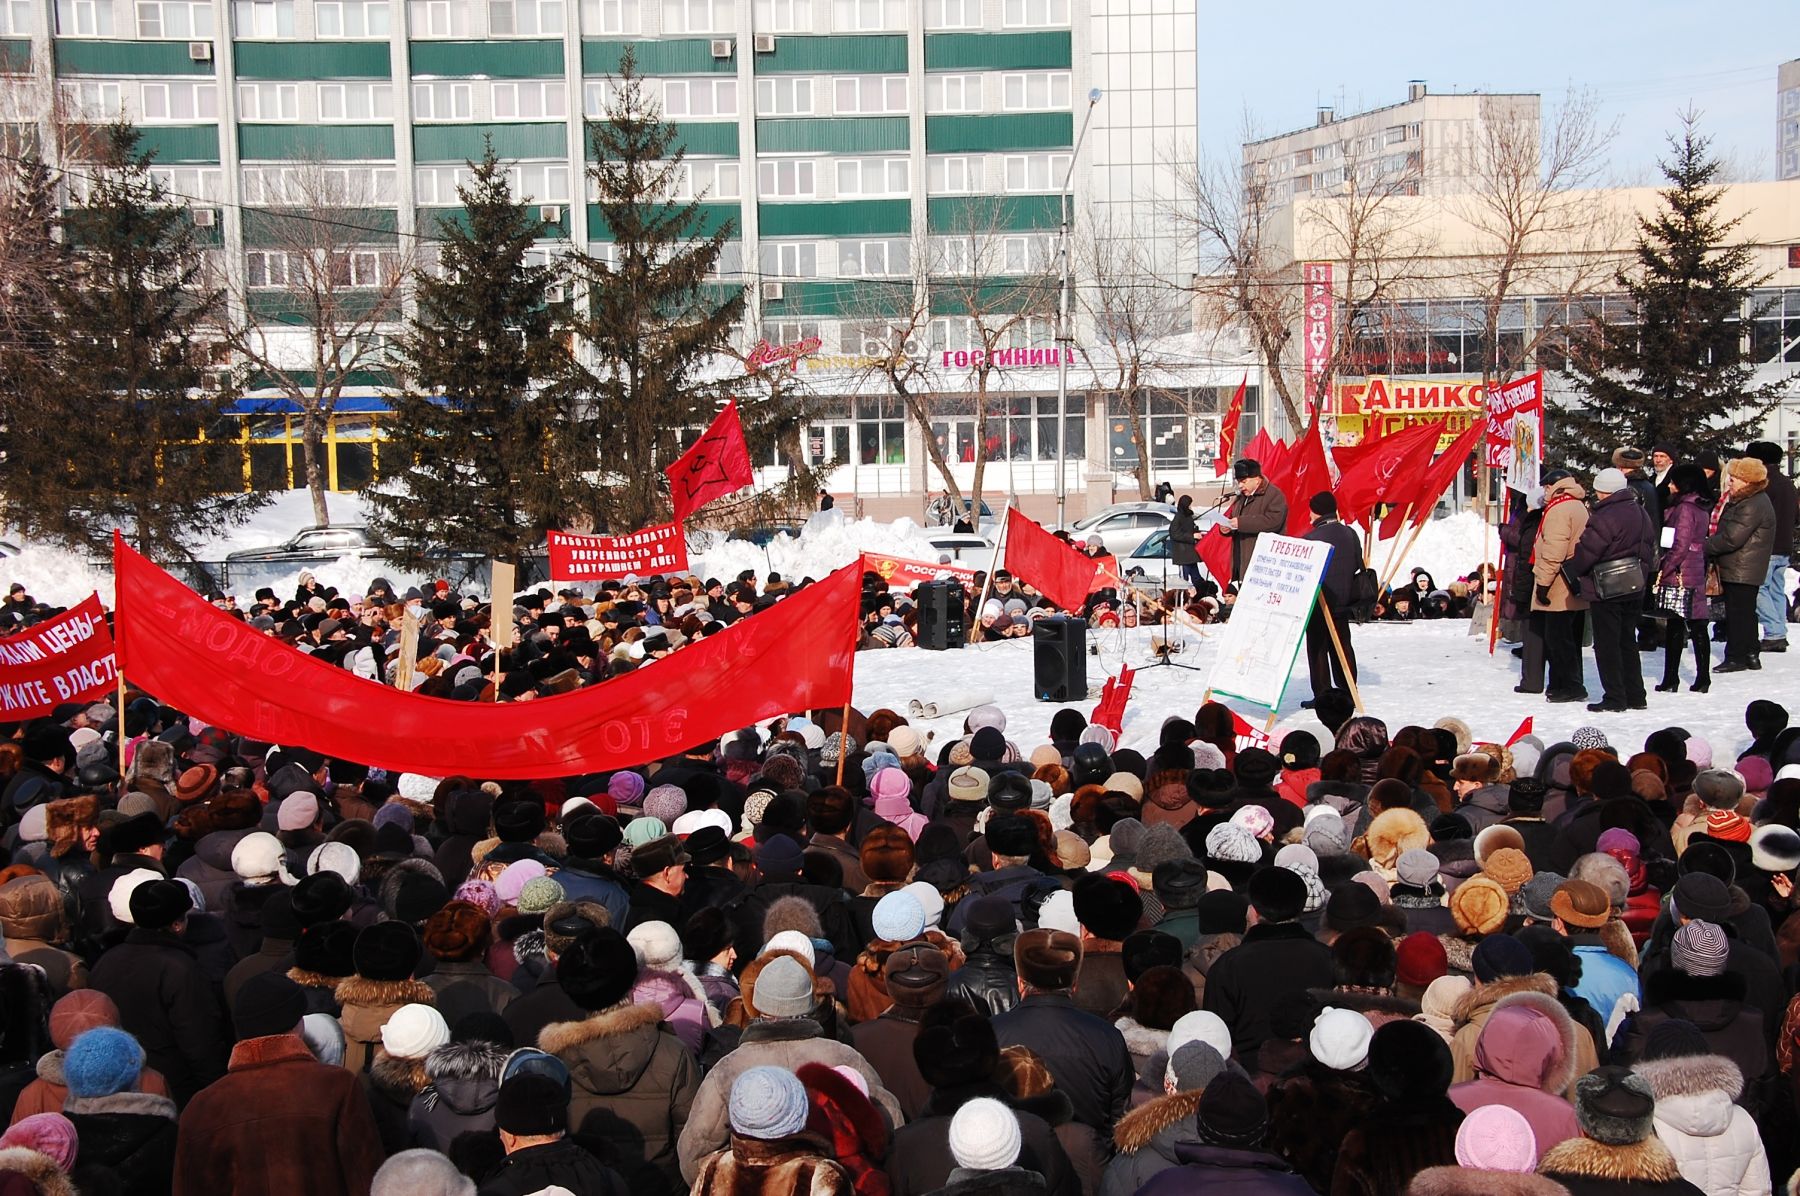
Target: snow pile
{"points": [[1447, 548], [56, 575], [827, 542]]}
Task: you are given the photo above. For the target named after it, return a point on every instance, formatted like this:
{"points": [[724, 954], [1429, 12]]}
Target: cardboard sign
{"points": [[65, 659], [1268, 622], [659, 549]]}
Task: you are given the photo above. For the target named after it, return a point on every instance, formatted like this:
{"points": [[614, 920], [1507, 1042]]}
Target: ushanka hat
{"points": [[1615, 1106]]}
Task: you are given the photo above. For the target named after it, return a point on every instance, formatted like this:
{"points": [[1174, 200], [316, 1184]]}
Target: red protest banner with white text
{"points": [[1249, 735], [1522, 397], [659, 549], [1316, 330], [899, 571], [65, 659]]}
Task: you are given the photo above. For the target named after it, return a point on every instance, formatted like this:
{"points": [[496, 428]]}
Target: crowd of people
{"points": [[836, 957]]}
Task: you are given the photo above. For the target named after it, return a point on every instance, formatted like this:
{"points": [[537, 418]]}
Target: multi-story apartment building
{"points": [[840, 139], [1787, 120], [1428, 145]]}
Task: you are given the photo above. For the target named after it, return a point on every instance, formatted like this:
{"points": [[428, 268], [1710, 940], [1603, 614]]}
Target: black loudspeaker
{"points": [[1059, 659], [941, 615]]}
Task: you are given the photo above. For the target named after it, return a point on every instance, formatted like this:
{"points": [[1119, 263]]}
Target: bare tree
{"points": [[1133, 311], [1245, 271], [323, 282]]}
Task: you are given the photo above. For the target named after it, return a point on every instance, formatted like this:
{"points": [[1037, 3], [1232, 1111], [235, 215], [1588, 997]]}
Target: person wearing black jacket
{"points": [[1618, 528], [1337, 593], [1277, 958], [1183, 537], [1258, 508], [1518, 535]]}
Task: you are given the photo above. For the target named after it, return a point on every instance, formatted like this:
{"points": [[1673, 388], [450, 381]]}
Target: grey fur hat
{"points": [[1614, 1106]]}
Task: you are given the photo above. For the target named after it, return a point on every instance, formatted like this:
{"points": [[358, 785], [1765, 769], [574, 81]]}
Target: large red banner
{"points": [[1523, 397], [904, 573], [1386, 471], [65, 659], [1062, 574], [1228, 430], [718, 464], [660, 549], [1435, 479], [1304, 473], [795, 656]]}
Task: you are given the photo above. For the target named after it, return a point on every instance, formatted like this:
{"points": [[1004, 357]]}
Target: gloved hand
{"points": [[1543, 595]]}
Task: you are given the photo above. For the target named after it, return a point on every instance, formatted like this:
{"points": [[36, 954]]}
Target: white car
{"points": [[964, 549], [1123, 526]]}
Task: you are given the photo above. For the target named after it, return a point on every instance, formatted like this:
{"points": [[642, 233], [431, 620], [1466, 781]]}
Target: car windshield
{"points": [[1155, 544]]}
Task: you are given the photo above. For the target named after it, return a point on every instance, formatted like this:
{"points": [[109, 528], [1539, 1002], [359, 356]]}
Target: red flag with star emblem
{"points": [[718, 464]]}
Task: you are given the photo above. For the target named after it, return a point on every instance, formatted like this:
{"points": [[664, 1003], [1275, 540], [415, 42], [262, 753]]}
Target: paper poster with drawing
{"points": [[1268, 622]]}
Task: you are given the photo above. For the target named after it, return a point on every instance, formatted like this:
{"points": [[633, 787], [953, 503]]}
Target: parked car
{"points": [[964, 549], [1124, 526], [1151, 558], [763, 534], [309, 544], [986, 525]]}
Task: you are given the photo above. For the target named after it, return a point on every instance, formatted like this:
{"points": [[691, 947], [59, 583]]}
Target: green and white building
{"points": [[837, 137]]}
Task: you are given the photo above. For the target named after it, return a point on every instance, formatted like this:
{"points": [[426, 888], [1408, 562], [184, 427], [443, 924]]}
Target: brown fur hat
{"points": [[64, 822]]}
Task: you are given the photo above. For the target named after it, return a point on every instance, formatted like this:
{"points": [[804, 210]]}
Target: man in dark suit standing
{"points": [[1337, 593]]}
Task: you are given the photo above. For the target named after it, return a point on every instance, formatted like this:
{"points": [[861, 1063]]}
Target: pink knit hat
{"points": [[1496, 1138], [50, 1134], [890, 782]]}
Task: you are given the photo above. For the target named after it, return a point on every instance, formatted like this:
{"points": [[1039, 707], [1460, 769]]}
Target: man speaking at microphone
{"points": [[1258, 508]]}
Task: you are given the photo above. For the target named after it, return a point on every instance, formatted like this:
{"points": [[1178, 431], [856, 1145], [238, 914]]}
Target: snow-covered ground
{"points": [[1410, 673], [1414, 673]]}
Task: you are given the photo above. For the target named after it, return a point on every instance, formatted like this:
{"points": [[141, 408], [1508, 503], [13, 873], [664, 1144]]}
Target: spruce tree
{"points": [[1681, 373], [660, 322], [106, 433], [490, 452]]}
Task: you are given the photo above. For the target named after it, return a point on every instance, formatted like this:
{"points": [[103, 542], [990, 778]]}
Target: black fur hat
{"points": [[1409, 1062], [963, 1051], [1108, 908]]}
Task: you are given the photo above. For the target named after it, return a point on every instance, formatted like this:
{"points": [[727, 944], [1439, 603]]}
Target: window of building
{"points": [[265, 268], [15, 18], [1027, 332], [596, 98], [951, 255], [348, 18], [525, 18], [1302, 157], [784, 178], [441, 18], [610, 17], [181, 100], [436, 186], [1393, 135], [1036, 12], [263, 18], [540, 182], [952, 14], [1036, 172], [356, 101], [94, 99], [1036, 91], [531, 99], [872, 176], [191, 184], [874, 259], [864, 95], [952, 175], [178, 19], [866, 16], [699, 16], [442, 100], [269, 101], [786, 332], [784, 96], [690, 98], [952, 93], [351, 184], [84, 18], [790, 259], [708, 179], [784, 16], [1027, 253]]}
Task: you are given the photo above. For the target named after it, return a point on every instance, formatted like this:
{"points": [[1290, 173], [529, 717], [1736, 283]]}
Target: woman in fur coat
{"points": [[1618, 1153], [771, 1151], [385, 955], [1713, 1138]]}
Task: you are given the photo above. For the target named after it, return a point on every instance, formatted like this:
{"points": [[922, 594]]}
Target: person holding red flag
{"points": [[1258, 508]]}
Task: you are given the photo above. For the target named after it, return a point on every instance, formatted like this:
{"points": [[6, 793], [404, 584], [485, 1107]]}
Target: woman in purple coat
{"points": [[1681, 579]]}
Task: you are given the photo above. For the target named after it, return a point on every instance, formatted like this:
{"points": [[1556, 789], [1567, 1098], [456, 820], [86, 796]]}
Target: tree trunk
{"points": [[981, 426], [923, 419], [312, 446]]}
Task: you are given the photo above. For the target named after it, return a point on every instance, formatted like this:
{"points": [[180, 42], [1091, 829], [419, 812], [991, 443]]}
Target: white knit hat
{"points": [[414, 787], [657, 945], [929, 899], [789, 940], [1198, 1026], [118, 898], [984, 1135], [414, 1031], [257, 856], [1340, 1038]]}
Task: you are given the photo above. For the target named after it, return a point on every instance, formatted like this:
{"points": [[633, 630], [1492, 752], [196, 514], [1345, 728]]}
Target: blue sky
{"points": [[1647, 61]]}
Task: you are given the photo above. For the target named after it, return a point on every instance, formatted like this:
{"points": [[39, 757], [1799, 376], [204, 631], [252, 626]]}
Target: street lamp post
{"points": [[1063, 335]]}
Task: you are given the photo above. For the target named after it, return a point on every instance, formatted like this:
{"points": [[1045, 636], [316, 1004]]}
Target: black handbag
{"points": [[1619, 578]]}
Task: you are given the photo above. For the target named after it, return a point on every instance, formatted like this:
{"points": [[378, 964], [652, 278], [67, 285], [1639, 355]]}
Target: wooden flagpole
{"points": [[1394, 561], [1337, 645], [974, 627], [120, 732]]}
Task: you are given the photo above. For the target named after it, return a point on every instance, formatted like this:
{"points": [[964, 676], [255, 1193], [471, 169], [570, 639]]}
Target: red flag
{"points": [[1214, 550], [1266, 451], [1377, 473], [718, 464], [1114, 695], [1522, 732], [1249, 735], [1228, 431], [1304, 473], [795, 656], [1054, 569], [1435, 479], [659, 549]]}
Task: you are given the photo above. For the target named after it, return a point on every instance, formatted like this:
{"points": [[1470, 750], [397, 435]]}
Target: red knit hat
{"points": [[1420, 959], [1727, 824]]}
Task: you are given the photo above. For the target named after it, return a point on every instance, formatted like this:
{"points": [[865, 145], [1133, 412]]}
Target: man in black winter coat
{"points": [[1337, 595], [987, 980], [1085, 1054], [1618, 528], [1277, 959], [532, 1117]]}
